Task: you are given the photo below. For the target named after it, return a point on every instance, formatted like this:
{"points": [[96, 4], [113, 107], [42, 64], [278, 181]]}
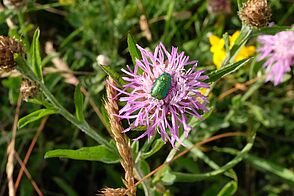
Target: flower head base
{"points": [[164, 94], [255, 13], [219, 53], [278, 51]]}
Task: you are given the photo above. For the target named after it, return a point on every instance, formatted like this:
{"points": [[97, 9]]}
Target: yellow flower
{"points": [[233, 38], [218, 49], [64, 2], [216, 43], [206, 92], [218, 58]]}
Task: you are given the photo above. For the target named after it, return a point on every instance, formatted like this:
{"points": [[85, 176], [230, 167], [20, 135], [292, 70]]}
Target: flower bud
{"points": [[255, 13], [28, 89], [219, 6], [8, 47]]}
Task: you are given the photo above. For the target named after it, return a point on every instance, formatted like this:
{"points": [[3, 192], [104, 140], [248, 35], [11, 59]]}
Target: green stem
{"points": [[174, 151], [239, 43], [186, 177], [206, 159], [20, 17], [38, 7], [239, 2], [84, 126], [146, 183]]}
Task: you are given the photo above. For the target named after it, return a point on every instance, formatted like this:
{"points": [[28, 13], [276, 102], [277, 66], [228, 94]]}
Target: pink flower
{"points": [[161, 93], [278, 51]]}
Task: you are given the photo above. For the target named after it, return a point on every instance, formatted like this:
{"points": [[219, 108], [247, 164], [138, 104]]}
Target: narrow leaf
{"points": [[79, 103], [270, 30], [94, 153], [157, 145], [36, 61], [134, 52], [188, 177], [268, 166], [229, 189], [239, 43], [35, 116], [117, 77], [218, 74], [165, 175]]}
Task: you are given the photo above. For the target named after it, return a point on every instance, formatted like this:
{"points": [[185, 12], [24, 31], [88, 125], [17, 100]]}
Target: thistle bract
{"points": [[164, 95], [8, 47], [255, 13]]}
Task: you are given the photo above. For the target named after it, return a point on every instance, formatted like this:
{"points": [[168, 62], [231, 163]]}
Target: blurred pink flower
{"points": [[278, 51]]}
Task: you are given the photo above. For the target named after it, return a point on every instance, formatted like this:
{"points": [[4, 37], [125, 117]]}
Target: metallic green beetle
{"points": [[161, 86]]}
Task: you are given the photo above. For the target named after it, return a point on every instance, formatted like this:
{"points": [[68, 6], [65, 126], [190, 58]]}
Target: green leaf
{"points": [[270, 30], [42, 102], [35, 56], [218, 74], [268, 166], [135, 148], [157, 145], [79, 103], [227, 42], [65, 186], [188, 177], [134, 52], [117, 77], [93, 153], [229, 189], [165, 175], [264, 165], [239, 43], [199, 154], [143, 167], [24, 69], [36, 115]]}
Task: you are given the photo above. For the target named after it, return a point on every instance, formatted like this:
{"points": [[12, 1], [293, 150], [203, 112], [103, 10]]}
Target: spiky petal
{"points": [[169, 115]]}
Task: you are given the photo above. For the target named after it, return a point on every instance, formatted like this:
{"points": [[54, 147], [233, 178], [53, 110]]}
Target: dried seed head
{"points": [[13, 45], [28, 89], [8, 47], [219, 6], [6, 60], [255, 13], [13, 4], [113, 192]]}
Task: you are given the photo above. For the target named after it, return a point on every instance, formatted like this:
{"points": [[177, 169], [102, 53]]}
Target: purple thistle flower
{"points": [[278, 50], [165, 92]]}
